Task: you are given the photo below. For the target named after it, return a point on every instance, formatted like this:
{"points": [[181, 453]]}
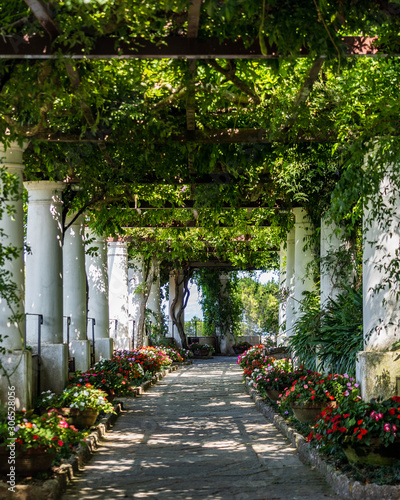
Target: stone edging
{"points": [[53, 488], [340, 483]]}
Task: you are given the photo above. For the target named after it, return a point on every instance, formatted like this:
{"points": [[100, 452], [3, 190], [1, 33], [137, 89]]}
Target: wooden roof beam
{"points": [[37, 46]]}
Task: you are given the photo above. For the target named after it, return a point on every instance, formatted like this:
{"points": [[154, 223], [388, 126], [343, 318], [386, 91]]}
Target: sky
{"points": [[193, 307]]}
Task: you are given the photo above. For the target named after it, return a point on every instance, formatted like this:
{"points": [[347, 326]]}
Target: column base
{"points": [[376, 373], [225, 345], [80, 350], [103, 348], [53, 367], [18, 388], [122, 343]]}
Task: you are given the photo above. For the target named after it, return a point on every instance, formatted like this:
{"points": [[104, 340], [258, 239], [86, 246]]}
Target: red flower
{"points": [[359, 422]]}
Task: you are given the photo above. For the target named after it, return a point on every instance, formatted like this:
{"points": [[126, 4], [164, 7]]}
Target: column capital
{"points": [[13, 153], [45, 190], [300, 215]]}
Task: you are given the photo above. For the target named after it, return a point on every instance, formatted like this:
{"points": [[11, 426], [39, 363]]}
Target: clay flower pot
{"points": [[29, 462], [307, 413], [373, 454], [83, 418]]}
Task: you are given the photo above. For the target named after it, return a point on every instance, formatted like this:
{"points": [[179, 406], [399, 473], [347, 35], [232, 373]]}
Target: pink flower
{"points": [[386, 427], [63, 424], [394, 428]]}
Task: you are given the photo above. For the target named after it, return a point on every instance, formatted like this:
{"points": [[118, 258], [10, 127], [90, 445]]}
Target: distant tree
{"points": [[260, 307], [194, 327]]}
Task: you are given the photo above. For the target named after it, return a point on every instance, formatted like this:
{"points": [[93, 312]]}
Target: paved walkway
{"points": [[197, 435]]}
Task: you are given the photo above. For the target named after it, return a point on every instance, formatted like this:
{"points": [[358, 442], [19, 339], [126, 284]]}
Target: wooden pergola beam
{"points": [[41, 47], [191, 204], [216, 136]]}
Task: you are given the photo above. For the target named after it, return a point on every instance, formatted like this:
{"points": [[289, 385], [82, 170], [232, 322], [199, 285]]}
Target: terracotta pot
{"points": [[200, 353], [273, 394], [240, 350], [83, 418], [307, 413], [374, 454], [29, 462]]}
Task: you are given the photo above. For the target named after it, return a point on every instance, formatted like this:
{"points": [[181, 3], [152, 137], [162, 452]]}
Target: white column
{"points": [[303, 257], [44, 281], [377, 367], [154, 300], [97, 282], [172, 330], [290, 279], [75, 292], [16, 362], [135, 280], [282, 288], [118, 293], [331, 243]]}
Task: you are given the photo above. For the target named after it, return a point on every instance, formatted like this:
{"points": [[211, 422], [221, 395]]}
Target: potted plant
{"points": [[241, 347], [115, 376], [309, 394], [271, 379], [253, 358], [84, 403], [367, 432], [201, 349], [31, 441]]}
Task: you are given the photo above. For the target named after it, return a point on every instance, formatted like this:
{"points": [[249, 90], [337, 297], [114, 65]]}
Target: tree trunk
{"points": [[176, 316], [148, 277]]}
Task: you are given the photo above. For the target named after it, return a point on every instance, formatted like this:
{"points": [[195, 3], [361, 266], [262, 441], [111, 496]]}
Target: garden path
{"points": [[197, 435]]}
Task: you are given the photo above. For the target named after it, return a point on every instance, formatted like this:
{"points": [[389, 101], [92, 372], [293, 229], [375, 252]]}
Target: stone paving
{"points": [[197, 435]]}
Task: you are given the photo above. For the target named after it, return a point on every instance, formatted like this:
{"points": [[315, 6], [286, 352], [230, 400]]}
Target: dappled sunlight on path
{"points": [[196, 435]]}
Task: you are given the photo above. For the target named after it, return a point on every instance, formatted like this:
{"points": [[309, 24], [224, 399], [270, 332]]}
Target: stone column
{"points": [[16, 361], [378, 367], [331, 242], [154, 300], [44, 281], [97, 282], [282, 287], [75, 292], [303, 258], [118, 293], [290, 279], [172, 330], [135, 280]]}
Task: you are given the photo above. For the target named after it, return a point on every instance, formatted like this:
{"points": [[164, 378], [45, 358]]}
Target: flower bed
{"points": [[339, 430]]}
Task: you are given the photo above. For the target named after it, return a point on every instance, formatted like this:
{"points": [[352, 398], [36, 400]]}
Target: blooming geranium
{"points": [[355, 422], [277, 375], [28, 430], [318, 388], [253, 359]]}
